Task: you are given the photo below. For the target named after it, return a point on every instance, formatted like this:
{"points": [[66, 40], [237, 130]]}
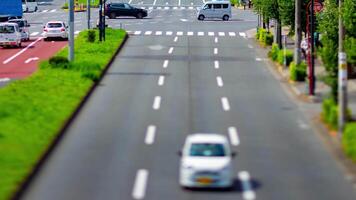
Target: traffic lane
{"points": [[191, 104], [102, 149], [286, 159], [20, 63]]}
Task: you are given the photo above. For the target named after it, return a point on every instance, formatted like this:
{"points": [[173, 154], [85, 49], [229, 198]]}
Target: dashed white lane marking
{"points": [[183, 20], [169, 33], [4, 79], [180, 33], [258, 59], [139, 189], [225, 104], [190, 33], [165, 63], [232, 34], [216, 40], [211, 33], [234, 136], [170, 51], [215, 51], [158, 32], [161, 80], [137, 32], [221, 33], [216, 64], [175, 39], [157, 103], [219, 81], [242, 34], [150, 135], [154, 2], [250, 46], [20, 52], [200, 33], [148, 32], [45, 11], [54, 10], [248, 193], [34, 33], [31, 59], [179, 2]]}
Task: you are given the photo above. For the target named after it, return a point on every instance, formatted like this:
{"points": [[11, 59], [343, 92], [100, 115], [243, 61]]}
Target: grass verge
{"points": [[349, 140], [34, 110]]}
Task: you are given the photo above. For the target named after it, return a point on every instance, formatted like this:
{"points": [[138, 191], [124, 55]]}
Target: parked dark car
{"points": [[114, 10]]}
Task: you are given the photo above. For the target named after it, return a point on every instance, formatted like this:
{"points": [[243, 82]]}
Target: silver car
{"points": [[23, 26]]}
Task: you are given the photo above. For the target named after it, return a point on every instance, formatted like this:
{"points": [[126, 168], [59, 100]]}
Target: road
{"points": [[182, 76]]}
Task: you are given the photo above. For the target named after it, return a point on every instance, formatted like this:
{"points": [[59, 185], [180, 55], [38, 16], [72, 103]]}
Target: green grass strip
{"points": [[33, 110]]}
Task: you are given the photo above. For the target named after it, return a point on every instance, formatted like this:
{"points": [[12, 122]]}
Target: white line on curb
{"points": [[234, 136], [219, 81], [20, 52], [170, 50], [216, 64], [225, 104], [161, 80], [165, 63], [157, 103], [150, 134], [139, 189], [248, 193]]}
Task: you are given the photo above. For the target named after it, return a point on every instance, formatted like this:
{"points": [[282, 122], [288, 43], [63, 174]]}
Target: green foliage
{"points": [[33, 110], [273, 54], [349, 140], [91, 36], [298, 72], [289, 57], [330, 113], [268, 39], [349, 17], [265, 37], [234, 2]]}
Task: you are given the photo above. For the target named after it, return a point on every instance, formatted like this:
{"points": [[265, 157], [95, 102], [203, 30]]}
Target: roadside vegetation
{"points": [[93, 3], [33, 110]]}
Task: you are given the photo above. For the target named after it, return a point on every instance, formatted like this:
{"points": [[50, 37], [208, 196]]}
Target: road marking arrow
{"points": [[31, 59]]}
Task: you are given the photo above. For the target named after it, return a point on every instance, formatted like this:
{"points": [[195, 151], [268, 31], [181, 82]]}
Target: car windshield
{"points": [[54, 25], [7, 29], [20, 23], [207, 149]]}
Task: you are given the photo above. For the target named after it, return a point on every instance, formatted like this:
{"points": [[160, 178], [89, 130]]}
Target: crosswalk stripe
{"points": [[175, 8], [44, 11], [148, 32], [200, 33], [159, 8], [211, 33], [221, 33], [233, 34], [158, 32], [166, 8], [169, 32], [182, 8], [137, 32], [191, 8], [34, 33], [54, 10], [180, 33], [190, 33]]}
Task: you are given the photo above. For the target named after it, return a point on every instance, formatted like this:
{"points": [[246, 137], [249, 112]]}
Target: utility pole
{"points": [[298, 31], [342, 83], [71, 31], [100, 20], [88, 13]]}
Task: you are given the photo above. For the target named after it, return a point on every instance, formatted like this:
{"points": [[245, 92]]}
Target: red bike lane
{"points": [[17, 63]]}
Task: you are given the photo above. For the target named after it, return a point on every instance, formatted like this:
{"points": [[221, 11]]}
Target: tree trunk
{"points": [[298, 32]]}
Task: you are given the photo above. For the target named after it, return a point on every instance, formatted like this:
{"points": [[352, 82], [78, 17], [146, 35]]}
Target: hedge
{"points": [[289, 56], [273, 54], [33, 110], [265, 37], [297, 72], [349, 140], [330, 113]]}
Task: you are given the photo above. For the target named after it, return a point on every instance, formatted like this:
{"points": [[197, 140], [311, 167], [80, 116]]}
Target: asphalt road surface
{"points": [[177, 76]]}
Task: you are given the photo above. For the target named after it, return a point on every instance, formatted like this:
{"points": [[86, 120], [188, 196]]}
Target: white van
{"points": [[10, 35], [215, 9], [29, 6]]}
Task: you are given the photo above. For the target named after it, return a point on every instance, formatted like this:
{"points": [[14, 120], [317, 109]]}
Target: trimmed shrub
{"points": [[268, 39], [59, 62], [349, 140], [261, 35], [298, 72], [289, 57], [273, 54], [91, 36], [330, 113]]}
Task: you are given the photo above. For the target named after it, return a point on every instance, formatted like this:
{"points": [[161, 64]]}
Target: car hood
{"points": [[206, 163]]}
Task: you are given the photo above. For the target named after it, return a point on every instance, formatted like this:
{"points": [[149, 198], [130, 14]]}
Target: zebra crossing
{"points": [[35, 34], [187, 33]]}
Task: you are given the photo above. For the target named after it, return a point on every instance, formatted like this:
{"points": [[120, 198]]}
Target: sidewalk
{"points": [[321, 90]]}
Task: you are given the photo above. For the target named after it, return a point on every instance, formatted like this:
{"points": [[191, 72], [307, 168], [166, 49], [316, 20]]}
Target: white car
{"points": [[55, 29], [10, 35], [206, 162], [24, 28], [215, 9]]}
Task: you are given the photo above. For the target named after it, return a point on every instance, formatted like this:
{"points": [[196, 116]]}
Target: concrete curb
{"points": [[36, 169]]}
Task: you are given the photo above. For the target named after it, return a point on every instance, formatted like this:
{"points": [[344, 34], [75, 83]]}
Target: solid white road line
{"points": [[150, 135], [169, 32], [216, 40], [157, 103], [170, 51], [4, 79], [215, 51], [180, 33], [148, 32], [34, 33], [20, 52], [130, 1], [165, 63], [139, 189], [161, 80], [211, 33], [137, 32], [225, 104], [234, 136], [219, 81], [216, 64], [200, 33], [176, 39], [232, 34], [248, 193]]}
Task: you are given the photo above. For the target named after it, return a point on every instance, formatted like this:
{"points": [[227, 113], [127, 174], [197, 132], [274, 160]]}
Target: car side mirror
{"points": [[179, 153], [233, 154]]}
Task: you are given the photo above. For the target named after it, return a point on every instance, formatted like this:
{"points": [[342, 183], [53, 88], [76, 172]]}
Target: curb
{"points": [[32, 175]]}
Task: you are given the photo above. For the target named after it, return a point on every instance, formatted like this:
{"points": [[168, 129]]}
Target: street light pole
{"points": [[71, 31], [88, 13], [342, 76], [298, 32]]}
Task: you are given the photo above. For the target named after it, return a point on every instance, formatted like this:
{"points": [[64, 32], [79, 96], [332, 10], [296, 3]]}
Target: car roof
{"points": [[55, 22], [206, 138], [17, 20], [9, 23]]}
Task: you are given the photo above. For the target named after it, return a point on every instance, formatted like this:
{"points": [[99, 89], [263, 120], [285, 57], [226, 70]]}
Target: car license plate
{"points": [[54, 31], [204, 180]]}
